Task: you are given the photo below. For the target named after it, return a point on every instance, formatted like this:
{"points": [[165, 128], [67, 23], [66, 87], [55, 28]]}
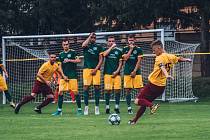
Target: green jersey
{"points": [[130, 64], [91, 55], [112, 60], [69, 68]]}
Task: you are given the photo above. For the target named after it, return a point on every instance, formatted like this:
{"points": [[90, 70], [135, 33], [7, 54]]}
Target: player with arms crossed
{"points": [[69, 60], [132, 75], [93, 60], [3, 85], [42, 84], [157, 80], [112, 67]]}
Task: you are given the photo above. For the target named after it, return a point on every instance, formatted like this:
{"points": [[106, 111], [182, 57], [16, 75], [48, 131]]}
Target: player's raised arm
{"points": [[127, 55], [87, 41], [108, 50], [181, 59]]}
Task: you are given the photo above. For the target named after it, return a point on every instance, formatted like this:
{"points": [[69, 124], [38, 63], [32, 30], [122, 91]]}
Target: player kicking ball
{"points": [[157, 80], [42, 84]]}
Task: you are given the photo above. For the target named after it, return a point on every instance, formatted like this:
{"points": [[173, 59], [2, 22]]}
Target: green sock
{"points": [[78, 100], [107, 98], [8, 96], [128, 99], [97, 96], [60, 102], [86, 97], [117, 98]]}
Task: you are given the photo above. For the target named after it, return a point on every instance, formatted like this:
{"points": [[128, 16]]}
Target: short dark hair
{"points": [[51, 53], [111, 36], [65, 39], [131, 36], [157, 42]]}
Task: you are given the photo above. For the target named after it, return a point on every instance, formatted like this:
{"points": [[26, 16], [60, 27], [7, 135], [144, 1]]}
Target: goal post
{"points": [[23, 55]]}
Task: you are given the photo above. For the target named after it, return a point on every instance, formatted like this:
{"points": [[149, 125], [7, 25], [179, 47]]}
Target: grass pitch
{"points": [[173, 121]]}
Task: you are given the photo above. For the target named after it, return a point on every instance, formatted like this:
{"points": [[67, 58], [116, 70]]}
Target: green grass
{"points": [[177, 121]]}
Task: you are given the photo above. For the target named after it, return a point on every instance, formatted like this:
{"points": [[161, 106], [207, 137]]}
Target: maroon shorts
{"points": [[43, 88], [150, 92]]}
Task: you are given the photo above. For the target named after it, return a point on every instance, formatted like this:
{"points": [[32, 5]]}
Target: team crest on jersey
{"points": [[69, 55], [94, 48], [134, 52], [116, 52]]}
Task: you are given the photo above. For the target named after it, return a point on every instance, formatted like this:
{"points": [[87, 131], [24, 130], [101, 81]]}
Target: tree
{"points": [[130, 14]]}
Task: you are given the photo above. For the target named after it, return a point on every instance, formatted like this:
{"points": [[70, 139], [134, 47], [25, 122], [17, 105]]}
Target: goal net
{"points": [[23, 55]]}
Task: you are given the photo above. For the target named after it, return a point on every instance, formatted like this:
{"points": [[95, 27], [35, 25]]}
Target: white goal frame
{"points": [[4, 38]]}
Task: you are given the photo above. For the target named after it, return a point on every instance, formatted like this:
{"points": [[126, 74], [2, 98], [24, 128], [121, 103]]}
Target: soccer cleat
{"points": [[130, 122], [57, 113], [117, 111], [54, 102], [154, 108], [107, 111], [97, 110], [37, 110], [79, 112], [17, 108], [86, 110], [12, 104], [130, 112]]}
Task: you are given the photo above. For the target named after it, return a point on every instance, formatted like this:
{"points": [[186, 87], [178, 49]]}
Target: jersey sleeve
{"points": [[121, 54], [101, 50], [43, 68], [104, 49], [76, 55], [140, 52], [124, 50], [174, 59], [59, 58]]}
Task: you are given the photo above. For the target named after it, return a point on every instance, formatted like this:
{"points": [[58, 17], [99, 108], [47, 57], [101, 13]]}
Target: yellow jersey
{"points": [[47, 70], [157, 76]]}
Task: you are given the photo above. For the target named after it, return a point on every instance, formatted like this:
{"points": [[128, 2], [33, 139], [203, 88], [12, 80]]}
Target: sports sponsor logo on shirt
{"points": [[69, 55], [91, 51], [134, 52], [94, 48]]}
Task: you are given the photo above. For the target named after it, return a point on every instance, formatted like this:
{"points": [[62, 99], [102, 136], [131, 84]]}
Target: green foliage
{"points": [[44, 17], [201, 87], [47, 16]]}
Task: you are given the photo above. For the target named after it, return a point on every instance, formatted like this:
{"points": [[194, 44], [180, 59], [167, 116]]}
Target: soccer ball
{"points": [[114, 119]]}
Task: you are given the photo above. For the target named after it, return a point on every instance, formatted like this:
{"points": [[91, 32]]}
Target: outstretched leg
{"points": [[25, 100]]}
